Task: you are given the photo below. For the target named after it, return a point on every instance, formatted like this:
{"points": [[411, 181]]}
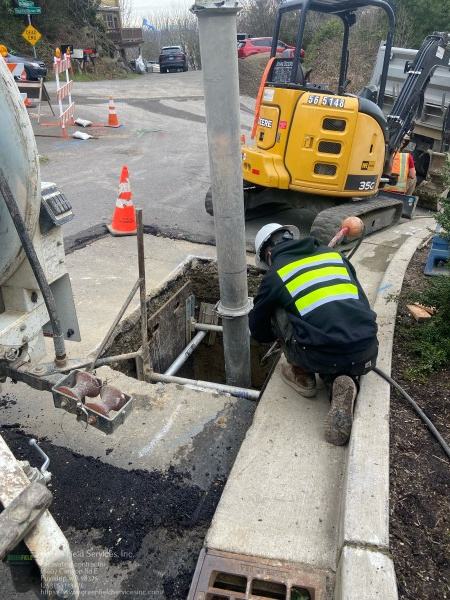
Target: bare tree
{"points": [[127, 16], [257, 17]]}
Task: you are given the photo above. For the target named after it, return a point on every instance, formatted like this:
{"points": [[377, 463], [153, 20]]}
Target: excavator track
{"points": [[376, 214]]}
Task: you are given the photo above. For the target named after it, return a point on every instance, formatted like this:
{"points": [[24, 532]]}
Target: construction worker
{"points": [[311, 301], [403, 166]]}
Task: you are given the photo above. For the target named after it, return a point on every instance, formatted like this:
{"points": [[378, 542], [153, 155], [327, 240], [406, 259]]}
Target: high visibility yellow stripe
{"points": [[310, 278], [403, 171], [311, 261], [341, 291]]}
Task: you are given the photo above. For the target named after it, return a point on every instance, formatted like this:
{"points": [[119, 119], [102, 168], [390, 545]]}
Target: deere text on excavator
{"points": [[331, 151]]}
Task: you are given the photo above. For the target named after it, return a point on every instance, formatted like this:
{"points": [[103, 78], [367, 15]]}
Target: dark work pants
{"points": [[317, 360]]}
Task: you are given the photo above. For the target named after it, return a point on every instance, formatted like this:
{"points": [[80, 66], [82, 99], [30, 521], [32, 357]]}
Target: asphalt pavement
{"points": [[162, 141]]}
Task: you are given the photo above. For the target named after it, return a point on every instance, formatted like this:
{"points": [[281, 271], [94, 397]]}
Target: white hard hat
{"points": [[265, 233]]}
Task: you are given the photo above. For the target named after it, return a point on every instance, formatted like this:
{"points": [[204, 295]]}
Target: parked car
{"points": [[172, 58], [34, 68], [255, 45]]}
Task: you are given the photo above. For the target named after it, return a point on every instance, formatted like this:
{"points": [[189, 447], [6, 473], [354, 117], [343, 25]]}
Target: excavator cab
{"points": [[310, 138]]}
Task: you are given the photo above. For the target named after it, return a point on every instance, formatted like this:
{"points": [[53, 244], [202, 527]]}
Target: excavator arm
{"points": [[434, 52]]}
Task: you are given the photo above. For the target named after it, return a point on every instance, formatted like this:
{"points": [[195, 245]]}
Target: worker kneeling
{"points": [[311, 300]]}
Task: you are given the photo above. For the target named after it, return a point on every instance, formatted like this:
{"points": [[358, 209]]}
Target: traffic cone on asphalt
{"points": [[113, 121], [124, 219]]}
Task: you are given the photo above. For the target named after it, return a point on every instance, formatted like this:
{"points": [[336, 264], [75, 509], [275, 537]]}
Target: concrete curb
{"points": [[364, 527]]}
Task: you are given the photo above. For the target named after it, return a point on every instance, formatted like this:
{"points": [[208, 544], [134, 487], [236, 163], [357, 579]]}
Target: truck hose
{"points": [[417, 409], [58, 336]]}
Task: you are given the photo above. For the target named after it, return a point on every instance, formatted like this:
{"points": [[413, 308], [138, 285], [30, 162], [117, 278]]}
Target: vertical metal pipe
{"points": [[218, 48], [146, 362]]}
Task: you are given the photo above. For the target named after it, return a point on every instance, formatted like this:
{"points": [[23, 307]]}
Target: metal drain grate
{"points": [[227, 576]]}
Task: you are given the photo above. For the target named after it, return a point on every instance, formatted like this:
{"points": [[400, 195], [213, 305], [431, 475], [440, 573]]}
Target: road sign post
{"points": [[30, 10]]}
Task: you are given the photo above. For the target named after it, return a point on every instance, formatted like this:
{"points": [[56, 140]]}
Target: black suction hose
{"points": [[418, 410], [58, 336]]}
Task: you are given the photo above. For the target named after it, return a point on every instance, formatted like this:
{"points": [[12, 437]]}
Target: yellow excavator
{"points": [[326, 150]]}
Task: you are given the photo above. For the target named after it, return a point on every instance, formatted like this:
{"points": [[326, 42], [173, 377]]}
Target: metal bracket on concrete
{"points": [[230, 313]]}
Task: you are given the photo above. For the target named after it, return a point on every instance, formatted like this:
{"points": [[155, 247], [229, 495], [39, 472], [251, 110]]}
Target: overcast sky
{"points": [[141, 8]]}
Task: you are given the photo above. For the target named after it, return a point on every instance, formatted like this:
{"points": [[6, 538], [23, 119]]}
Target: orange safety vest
{"points": [[400, 166]]}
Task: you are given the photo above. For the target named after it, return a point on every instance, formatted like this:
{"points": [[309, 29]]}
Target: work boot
{"points": [[301, 381], [339, 420]]}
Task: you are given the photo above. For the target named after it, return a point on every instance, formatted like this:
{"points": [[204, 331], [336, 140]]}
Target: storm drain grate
{"points": [[227, 576]]}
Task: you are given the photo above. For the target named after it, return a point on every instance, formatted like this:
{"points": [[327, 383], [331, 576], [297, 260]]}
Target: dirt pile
{"points": [[251, 70]]}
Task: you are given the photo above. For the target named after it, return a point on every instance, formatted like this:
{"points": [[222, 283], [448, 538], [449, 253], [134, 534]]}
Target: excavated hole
{"points": [[166, 320]]}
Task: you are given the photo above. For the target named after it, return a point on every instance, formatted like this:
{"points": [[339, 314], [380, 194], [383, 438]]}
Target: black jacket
{"points": [[344, 324]]}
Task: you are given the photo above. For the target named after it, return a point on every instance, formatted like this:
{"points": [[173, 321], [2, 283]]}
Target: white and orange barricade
{"points": [[18, 72], [64, 90]]}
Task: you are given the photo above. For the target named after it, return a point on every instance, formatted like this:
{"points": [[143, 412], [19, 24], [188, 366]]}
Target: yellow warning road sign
{"points": [[32, 35]]}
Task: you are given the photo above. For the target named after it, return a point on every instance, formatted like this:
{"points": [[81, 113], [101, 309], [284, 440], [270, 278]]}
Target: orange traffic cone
{"points": [[113, 121], [124, 219]]}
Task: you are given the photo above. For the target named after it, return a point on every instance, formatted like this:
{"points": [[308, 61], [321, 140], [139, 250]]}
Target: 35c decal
{"points": [[361, 183]]}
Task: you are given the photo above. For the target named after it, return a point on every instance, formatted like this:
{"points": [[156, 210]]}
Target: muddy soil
{"points": [[419, 477]]}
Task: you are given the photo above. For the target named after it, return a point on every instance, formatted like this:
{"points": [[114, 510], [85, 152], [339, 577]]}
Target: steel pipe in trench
{"points": [[239, 392], [217, 33], [182, 358]]}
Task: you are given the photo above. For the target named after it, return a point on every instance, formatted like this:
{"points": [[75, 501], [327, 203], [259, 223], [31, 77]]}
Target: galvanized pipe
{"points": [[106, 360], [182, 358], [146, 361], [217, 33], [208, 327], [219, 387]]}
